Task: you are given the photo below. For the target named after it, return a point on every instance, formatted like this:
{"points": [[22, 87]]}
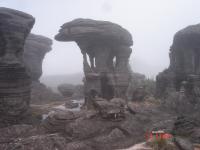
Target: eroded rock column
{"points": [[14, 81]]}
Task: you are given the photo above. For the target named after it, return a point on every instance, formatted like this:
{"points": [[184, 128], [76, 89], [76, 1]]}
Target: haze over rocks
{"points": [[120, 106]]}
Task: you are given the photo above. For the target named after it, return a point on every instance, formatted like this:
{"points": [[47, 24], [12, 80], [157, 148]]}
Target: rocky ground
{"points": [[57, 128]]}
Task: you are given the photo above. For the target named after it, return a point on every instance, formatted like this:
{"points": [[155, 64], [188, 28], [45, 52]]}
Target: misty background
{"points": [[152, 24]]}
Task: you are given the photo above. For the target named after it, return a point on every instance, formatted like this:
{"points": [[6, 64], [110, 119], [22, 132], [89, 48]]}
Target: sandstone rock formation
{"points": [[35, 49], [183, 72], [179, 85], [14, 81], [107, 45]]}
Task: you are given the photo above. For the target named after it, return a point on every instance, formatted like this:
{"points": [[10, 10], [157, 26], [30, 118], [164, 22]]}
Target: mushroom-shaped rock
{"points": [[35, 49], [14, 81], [107, 45], [36, 46]]}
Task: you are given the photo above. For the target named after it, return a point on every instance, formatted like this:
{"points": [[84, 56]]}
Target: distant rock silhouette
{"points": [[35, 49]]}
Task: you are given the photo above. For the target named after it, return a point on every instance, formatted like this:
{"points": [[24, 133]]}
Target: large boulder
{"points": [[14, 80], [188, 127]]}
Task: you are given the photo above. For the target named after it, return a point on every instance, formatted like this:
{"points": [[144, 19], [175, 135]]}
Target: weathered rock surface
{"points": [[113, 110], [183, 144], [35, 49], [179, 86], [57, 122], [184, 62], [94, 30], [14, 81], [88, 129], [188, 127], [108, 47]]}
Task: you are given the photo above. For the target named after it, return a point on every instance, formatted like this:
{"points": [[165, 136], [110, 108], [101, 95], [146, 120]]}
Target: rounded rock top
{"points": [[38, 44], [187, 37], [16, 18], [94, 31]]}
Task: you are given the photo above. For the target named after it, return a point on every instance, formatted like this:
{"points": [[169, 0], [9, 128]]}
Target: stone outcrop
{"points": [[188, 127], [184, 71], [107, 46], [179, 85], [35, 49], [14, 81]]}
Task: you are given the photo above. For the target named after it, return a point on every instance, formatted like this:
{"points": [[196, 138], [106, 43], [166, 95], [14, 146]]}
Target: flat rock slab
{"points": [[93, 30]]}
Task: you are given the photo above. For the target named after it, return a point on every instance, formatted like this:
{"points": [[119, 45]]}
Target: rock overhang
{"points": [[15, 18], [38, 43], [94, 31]]}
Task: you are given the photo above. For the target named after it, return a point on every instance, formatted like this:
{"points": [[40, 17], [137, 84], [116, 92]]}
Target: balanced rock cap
{"points": [[93, 30], [38, 43], [187, 37]]}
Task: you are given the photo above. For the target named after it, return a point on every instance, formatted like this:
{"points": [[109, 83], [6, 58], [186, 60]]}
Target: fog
{"points": [[152, 24]]}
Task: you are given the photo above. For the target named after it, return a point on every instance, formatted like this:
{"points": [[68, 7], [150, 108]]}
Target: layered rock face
{"points": [[14, 81], [36, 46], [35, 49], [107, 46], [184, 71]]}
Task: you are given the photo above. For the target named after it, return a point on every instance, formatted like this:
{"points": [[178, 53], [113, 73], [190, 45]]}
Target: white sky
{"points": [[152, 24]]}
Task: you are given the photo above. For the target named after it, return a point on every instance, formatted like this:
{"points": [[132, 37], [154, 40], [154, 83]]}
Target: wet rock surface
{"points": [[14, 81]]}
